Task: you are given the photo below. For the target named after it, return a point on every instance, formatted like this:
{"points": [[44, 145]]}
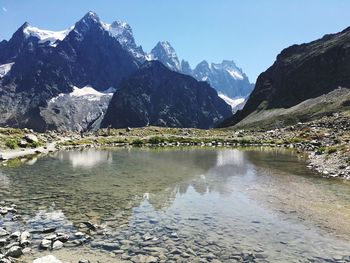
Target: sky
{"points": [[250, 32]]}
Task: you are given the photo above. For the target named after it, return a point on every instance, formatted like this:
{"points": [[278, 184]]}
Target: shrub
{"points": [[11, 143], [156, 140], [137, 142]]}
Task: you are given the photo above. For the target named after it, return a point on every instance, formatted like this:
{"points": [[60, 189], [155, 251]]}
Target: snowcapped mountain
{"points": [[58, 79], [166, 54], [225, 77], [45, 36]]}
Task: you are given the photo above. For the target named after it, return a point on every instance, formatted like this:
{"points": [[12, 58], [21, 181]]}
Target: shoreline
{"points": [[325, 142]]}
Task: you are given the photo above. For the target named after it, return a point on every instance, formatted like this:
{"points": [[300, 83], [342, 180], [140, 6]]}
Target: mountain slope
{"points": [[300, 72], [155, 95]]}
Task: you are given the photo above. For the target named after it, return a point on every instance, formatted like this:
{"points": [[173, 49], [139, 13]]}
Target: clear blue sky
{"points": [[250, 32]]}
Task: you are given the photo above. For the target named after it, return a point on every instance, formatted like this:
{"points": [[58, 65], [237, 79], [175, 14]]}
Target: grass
{"points": [[11, 143]]}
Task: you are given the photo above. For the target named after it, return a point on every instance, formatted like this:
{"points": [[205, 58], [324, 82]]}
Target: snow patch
{"points": [[236, 103], [87, 92], [45, 36], [235, 74], [90, 93], [5, 68]]}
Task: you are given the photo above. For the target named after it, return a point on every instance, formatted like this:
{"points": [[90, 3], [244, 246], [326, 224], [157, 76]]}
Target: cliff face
{"points": [[300, 72]]}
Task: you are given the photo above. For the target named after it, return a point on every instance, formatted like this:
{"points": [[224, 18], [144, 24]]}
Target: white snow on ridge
{"points": [[87, 92], [5, 68], [236, 104], [90, 93], [235, 74], [46, 35]]}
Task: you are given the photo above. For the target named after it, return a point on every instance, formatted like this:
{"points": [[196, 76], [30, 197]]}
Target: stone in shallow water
{"points": [[14, 252], [3, 232], [57, 245], [47, 259], [45, 244]]}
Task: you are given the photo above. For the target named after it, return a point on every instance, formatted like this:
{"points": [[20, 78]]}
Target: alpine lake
{"points": [[179, 205]]}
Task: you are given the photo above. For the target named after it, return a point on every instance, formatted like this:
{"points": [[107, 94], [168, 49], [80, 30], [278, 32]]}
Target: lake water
{"points": [[185, 205]]}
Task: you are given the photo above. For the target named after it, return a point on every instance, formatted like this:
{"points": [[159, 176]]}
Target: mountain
{"points": [[155, 95], [166, 54], [65, 79], [225, 77], [39, 65], [306, 81]]}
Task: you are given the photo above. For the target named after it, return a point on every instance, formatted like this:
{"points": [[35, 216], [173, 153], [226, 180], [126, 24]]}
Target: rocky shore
{"points": [[326, 141]]}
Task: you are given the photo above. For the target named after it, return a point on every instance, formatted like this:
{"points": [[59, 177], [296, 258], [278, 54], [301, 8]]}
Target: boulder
{"points": [[31, 138], [14, 252]]}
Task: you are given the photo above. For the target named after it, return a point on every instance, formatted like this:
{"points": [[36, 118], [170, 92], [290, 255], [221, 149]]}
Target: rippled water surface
{"points": [[186, 204]]}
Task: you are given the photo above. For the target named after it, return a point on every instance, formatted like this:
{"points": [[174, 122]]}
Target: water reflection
{"points": [[4, 180], [217, 192], [87, 158]]}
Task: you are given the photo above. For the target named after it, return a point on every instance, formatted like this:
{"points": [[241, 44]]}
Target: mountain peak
{"points": [[166, 54], [88, 21], [91, 15]]}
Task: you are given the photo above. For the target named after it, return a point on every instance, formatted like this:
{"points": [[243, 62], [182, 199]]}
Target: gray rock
{"points": [[31, 138], [14, 252], [3, 232], [15, 235], [3, 242], [45, 244], [26, 250], [57, 245]]}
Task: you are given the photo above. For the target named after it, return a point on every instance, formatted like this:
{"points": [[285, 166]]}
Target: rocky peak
{"points": [[88, 22], [122, 31], [185, 67], [166, 54]]}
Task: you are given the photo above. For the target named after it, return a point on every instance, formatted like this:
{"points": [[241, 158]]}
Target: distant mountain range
{"points": [[65, 80], [306, 82]]}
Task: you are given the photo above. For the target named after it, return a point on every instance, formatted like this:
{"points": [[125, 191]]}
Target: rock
{"points": [[84, 261], [144, 259], [57, 245], [147, 236], [25, 235], [23, 144], [90, 225], [45, 244], [79, 234], [26, 250], [14, 252], [24, 238], [3, 242], [3, 232], [15, 235], [47, 259], [31, 138], [62, 237], [51, 237]]}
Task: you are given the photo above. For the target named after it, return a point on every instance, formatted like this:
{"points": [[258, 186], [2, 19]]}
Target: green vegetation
{"points": [[11, 143]]}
